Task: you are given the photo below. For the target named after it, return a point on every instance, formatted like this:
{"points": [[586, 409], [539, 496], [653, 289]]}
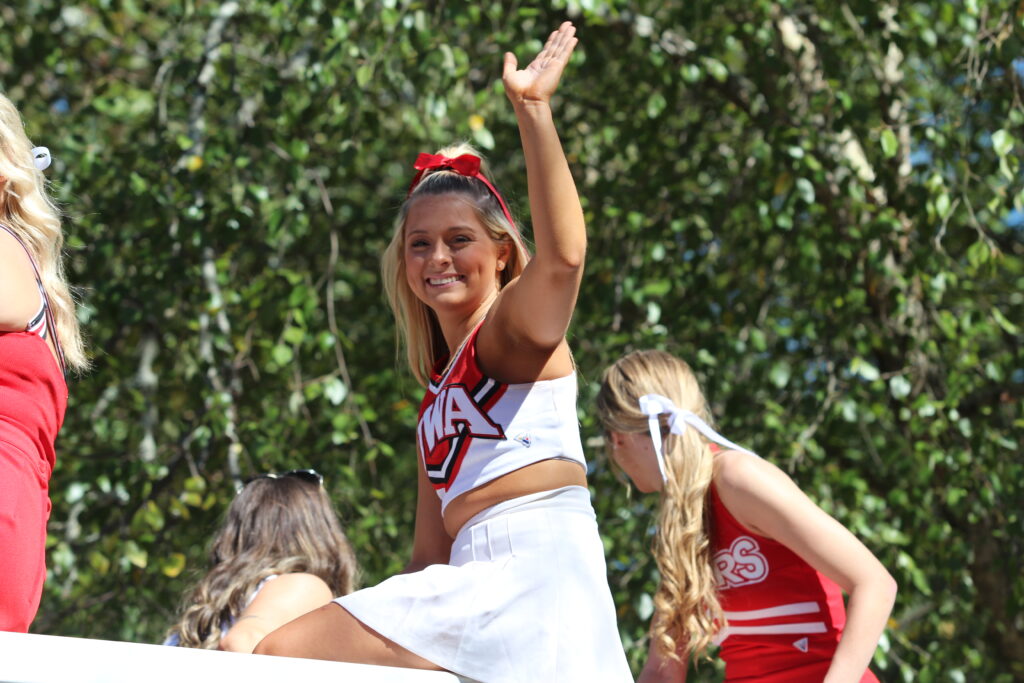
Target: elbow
{"points": [[877, 588], [564, 258], [244, 643], [891, 589], [564, 266], [883, 590], [228, 643], [572, 260]]}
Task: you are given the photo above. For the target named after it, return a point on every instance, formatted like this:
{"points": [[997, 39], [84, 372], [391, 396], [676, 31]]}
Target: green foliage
{"points": [[807, 200]]}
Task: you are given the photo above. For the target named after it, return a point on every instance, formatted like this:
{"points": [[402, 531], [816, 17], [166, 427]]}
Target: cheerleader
{"points": [[746, 559], [507, 580], [39, 342]]}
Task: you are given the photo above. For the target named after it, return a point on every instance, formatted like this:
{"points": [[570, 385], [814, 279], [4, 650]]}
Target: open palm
{"points": [[538, 81]]}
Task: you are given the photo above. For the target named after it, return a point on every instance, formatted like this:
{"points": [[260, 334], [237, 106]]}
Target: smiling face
{"points": [[451, 262], [634, 453]]}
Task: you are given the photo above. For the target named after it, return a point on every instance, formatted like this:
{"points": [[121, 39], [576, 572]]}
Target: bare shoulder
{"points": [[296, 583], [19, 295], [745, 473], [751, 487]]}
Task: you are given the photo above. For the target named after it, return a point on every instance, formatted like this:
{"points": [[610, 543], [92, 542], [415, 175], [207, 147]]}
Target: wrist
{"points": [[533, 111], [530, 107]]}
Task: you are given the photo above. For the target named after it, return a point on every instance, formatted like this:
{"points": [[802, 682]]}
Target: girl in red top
{"points": [[507, 580], [38, 339], [746, 559]]}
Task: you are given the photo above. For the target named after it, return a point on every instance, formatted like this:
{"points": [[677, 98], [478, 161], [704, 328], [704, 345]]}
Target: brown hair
{"points": [[687, 609], [273, 526]]}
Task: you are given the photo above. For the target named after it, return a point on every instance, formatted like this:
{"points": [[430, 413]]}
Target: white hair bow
{"points": [[41, 158], [653, 405]]}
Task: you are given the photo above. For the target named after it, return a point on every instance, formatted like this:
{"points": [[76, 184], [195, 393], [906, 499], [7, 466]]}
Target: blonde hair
{"points": [[687, 609], [25, 209], [417, 327], [273, 526]]}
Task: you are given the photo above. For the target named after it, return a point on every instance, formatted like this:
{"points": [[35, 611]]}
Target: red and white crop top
{"points": [[473, 429]]}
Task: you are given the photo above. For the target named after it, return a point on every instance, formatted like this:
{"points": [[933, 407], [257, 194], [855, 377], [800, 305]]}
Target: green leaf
{"points": [[363, 75], [483, 137], [978, 254], [335, 391], [173, 565], [76, 492], [653, 312], [805, 190], [1002, 142], [282, 354], [645, 606], [99, 562], [779, 374], [690, 72], [716, 69], [135, 555], [899, 387], [655, 105], [864, 369], [1004, 322], [890, 145]]}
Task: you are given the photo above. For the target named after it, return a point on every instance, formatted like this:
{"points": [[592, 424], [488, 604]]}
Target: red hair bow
{"points": [[465, 165]]}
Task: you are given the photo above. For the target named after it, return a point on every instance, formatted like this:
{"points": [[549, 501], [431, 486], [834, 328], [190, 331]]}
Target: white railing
{"points": [[29, 658]]}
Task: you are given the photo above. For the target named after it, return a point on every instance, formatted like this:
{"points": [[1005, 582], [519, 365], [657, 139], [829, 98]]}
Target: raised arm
{"points": [[764, 499], [534, 311]]}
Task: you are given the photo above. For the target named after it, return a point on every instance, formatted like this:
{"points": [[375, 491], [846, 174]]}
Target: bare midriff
{"points": [[545, 475]]}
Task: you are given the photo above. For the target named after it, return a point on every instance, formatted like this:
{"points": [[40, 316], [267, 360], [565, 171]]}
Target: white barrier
{"points": [[29, 658]]}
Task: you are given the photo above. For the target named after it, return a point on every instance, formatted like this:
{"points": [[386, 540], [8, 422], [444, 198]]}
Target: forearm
{"points": [[867, 613], [558, 227], [653, 673], [662, 669]]}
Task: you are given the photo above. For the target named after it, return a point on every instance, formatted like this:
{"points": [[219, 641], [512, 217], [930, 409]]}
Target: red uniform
{"points": [[33, 397], [784, 618], [474, 429]]}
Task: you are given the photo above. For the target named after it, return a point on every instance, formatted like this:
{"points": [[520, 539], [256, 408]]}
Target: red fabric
{"points": [[465, 165], [442, 458], [33, 398], [801, 609]]}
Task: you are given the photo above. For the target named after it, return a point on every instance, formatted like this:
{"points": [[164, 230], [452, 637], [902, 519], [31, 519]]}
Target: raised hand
{"points": [[538, 81]]}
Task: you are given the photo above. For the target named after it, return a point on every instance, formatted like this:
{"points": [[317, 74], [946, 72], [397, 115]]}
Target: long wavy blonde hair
{"points": [[25, 209], [417, 327], [273, 526], [687, 609]]}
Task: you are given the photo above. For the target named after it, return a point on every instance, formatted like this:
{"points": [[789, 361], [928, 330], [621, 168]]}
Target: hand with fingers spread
{"points": [[539, 80]]}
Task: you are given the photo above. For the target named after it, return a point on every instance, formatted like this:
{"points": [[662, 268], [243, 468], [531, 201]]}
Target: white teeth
{"points": [[443, 280]]}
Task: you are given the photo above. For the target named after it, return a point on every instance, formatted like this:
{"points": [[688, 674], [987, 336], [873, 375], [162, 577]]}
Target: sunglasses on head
{"points": [[309, 476]]}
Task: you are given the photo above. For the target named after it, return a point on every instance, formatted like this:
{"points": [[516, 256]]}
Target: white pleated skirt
{"points": [[524, 599]]}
